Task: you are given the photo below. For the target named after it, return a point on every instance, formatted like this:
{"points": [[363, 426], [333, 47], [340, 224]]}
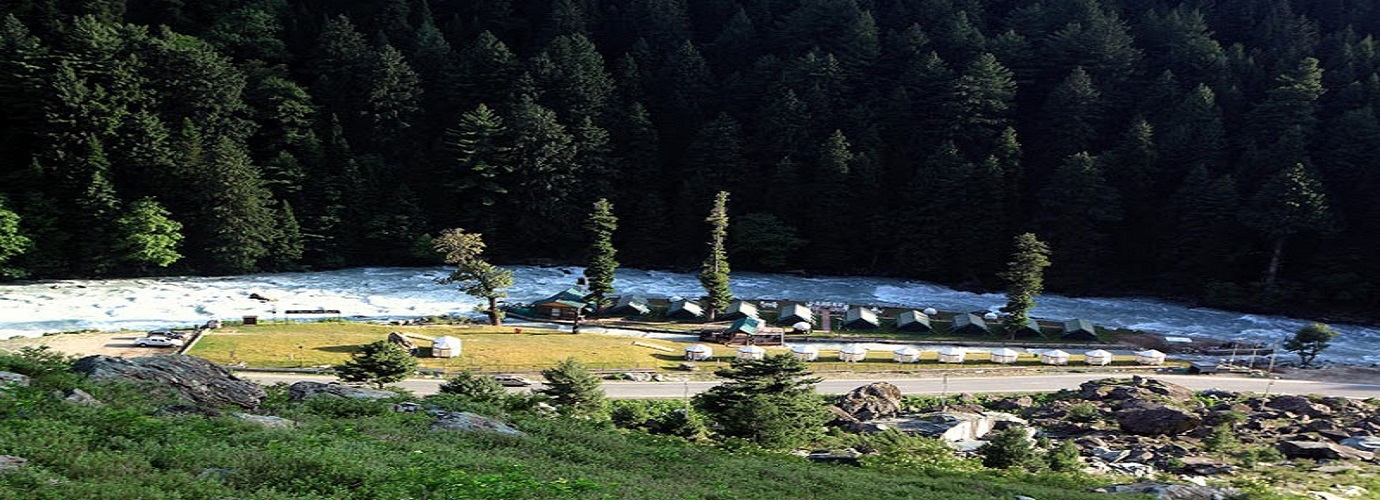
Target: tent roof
{"points": [[635, 302], [853, 349], [751, 348], [687, 306], [746, 324], [860, 313], [908, 351], [1055, 354], [1080, 325], [570, 297], [1150, 353], [1098, 353], [446, 341], [795, 312], [801, 348], [698, 348], [953, 351], [1006, 351]]}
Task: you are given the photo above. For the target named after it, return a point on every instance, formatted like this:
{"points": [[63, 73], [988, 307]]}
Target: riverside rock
{"points": [[306, 390], [191, 378], [872, 401]]}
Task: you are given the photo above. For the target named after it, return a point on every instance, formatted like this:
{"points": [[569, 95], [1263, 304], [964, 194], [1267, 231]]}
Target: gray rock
{"points": [[80, 397], [1110, 456], [216, 474], [11, 462], [1363, 443], [191, 378], [1022, 497], [1135, 469], [1165, 491], [950, 426], [266, 421], [872, 401], [1298, 405], [1319, 449], [398, 339], [306, 390], [846, 456], [1149, 418], [1112, 389], [466, 421], [7, 378]]}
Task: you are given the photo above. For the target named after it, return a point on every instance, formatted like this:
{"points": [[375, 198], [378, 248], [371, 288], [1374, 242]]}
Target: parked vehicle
{"points": [[512, 381], [164, 333], [157, 342]]}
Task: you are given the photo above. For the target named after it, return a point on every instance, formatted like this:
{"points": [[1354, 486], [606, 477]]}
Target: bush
{"points": [[1010, 448], [1065, 458], [475, 387], [1084, 412]]}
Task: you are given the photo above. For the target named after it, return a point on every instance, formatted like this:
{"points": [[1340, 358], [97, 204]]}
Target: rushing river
{"points": [[68, 305]]}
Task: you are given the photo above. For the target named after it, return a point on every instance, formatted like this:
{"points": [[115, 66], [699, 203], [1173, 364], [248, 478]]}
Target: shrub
{"points": [[1065, 458], [1010, 448], [1220, 438], [1084, 412], [378, 363], [475, 387]]}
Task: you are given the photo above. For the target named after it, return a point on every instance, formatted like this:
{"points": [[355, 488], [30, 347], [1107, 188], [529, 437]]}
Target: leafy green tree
{"points": [[714, 271], [1010, 448], [573, 388], [1290, 203], [478, 388], [602, 262], [1024, 277], [771, 402], [148, 235], [1310, 341], [13, 243], [380, 363], [476, 277]]}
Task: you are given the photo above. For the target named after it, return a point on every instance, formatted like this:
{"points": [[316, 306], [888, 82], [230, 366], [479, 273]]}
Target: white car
{"points": [[157, 342], [512, 381]]}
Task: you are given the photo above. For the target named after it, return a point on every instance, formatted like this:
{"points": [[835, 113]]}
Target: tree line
{"points": [[1215, 151]]}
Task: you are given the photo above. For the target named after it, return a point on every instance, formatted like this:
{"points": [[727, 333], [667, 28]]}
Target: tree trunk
{"points": [[1272, 271], [495, 318]]}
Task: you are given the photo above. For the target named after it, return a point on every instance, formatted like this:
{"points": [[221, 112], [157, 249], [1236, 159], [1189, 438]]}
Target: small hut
{"points": [[913, 321], [1055, 357], [1150, 357], [1005, 356], [852, 353], [906, 355], [685, 309], [1079, 329], [740, 309], [742, 332], [969, 324], [1031, 328], [565, 305], [805, 352], [631, 305], [953, 355], [698, 352], [1097, 357], [861, 318], [751, 352], [445, 347], [795, 313]]}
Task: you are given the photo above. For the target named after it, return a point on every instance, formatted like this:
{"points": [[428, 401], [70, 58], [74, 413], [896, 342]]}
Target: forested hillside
{"points": [[1220, 150]]}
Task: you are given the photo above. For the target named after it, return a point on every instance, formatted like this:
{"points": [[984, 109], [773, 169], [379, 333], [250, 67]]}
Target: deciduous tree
{"points": [[1310, 341], [475, 276]]}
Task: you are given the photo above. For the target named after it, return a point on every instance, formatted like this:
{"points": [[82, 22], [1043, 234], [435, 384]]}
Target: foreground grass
{"points": [[485, 348], [347, 449]]}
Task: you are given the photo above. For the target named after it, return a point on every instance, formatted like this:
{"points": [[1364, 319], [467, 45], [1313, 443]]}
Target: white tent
{"points": [[751, 352], [1005, 355], [445, 347], [952, 355], [852, 353], [991, 316], [698, 352], [1098, 357], [930, 311], [1055, 357], [906, 355], [802, 327], [805, 352], [1150, 357]]}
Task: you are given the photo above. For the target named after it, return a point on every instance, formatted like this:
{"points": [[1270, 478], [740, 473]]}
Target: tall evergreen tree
{"points": [[1076, 206], [601, 265], [714, 272], [573, 389], [771, 402], [1024, 277], [236, 225], [1292, 202]]}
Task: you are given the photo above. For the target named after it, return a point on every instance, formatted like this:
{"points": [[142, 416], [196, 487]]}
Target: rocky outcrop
{"points": [[1117, 389], [466, 421], [872, 401], [1165, 491], [191, 378], [1149, 418], [1298, 405], [80, 397], [306, 390], [1319, 449], [266, 421], [950, 426], [11, 378], [11, 462]]}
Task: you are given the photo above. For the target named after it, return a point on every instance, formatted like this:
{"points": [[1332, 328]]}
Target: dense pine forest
{"points": [[1223, 151]]}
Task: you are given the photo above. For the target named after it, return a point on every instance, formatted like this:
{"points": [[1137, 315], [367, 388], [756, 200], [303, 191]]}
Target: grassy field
{"points": [[287, 345]]}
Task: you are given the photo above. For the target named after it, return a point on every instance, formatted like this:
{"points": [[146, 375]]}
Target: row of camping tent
{"points": [[853, 353], [857, 318]]}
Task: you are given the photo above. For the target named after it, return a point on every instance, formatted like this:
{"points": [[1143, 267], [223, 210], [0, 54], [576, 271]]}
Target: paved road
{"points": [[931, 385]]}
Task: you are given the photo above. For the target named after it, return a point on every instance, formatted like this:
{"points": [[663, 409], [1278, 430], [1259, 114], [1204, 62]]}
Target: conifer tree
{"points": [[714, 271], [1290, 203], [1025, 278], [602, 263], [573, 389], [771, 402], [380, 363]]}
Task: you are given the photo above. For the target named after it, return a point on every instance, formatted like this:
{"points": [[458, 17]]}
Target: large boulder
{"points": [[1319, 449], [399, 339], [1150, 418], [466, 421], [307, 390], [872, 401], [949, 426], [1298, 405], [1363, 443], [8, 379], [1120, 389], [194, 379], [1166, 491], [266, 421]]}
